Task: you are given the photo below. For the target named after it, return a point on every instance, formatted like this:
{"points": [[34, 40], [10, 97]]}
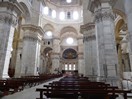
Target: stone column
{"points": [[31, 49], [80, 66], [128, 11], [9, 12], [90, 54], [107, 58], [56, 55]]}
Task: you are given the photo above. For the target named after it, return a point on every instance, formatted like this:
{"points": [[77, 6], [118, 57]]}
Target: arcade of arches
{"points": [[89, 37]]}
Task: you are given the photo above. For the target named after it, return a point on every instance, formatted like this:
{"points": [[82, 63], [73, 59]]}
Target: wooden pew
{"points": [[84, 88], [74, 93]]}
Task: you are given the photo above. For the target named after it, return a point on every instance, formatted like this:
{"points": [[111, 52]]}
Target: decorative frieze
{"points": [[87, 27]]}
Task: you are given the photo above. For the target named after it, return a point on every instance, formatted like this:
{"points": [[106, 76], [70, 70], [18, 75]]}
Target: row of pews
{"points": [[75, 87], [13, 85]]}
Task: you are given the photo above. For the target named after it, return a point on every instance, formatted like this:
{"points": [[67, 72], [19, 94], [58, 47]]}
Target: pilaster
{"points": [[56, 55], [31, 49], [107, 58], [89, 40], [9, 12]]}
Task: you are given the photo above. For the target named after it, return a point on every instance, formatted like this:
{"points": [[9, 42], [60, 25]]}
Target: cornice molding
{"points": [[56, 38], [32, 32], [87, 27], [33, 28], [13, 5]]}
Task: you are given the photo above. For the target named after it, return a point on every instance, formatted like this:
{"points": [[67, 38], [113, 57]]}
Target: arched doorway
{"points": [[47, 61]]}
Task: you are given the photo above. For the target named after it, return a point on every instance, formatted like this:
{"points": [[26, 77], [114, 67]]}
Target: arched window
{"points": [[66, 67], [70, 67], [68, 15], [75, 15], [46, 10], [53, 14], [62, 15], [74, 67]]}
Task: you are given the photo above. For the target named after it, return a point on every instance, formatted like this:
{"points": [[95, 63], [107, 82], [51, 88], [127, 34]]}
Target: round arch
{"points": [[118, 26], [119, 12], [68, 29], [48, 27], [27, 13], [46, 50]]}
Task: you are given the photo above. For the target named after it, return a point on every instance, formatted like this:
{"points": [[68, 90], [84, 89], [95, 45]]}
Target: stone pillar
{"points": [[81, 68], [128, 11], [107, 58], [80, 65], [56, 55], [31, 49], [90, 50], [9, 12]]}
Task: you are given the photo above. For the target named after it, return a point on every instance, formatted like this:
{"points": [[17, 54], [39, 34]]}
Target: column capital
{"points": [[99, 16], [32, 31], [96, 3], [88, 31], [9, 12]]}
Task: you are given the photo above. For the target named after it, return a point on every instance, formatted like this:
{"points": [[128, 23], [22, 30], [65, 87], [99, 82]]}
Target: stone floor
{"points": [[30, 93]]}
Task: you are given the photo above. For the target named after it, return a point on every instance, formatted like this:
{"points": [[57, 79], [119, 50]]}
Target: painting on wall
{"points": [[70, 54]]}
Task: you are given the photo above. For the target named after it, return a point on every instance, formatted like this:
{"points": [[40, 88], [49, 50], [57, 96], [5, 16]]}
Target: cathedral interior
{"points": [[92, 38]]}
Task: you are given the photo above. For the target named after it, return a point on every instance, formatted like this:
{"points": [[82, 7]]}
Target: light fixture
{"points": [[69, 40], [68, 1]]}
